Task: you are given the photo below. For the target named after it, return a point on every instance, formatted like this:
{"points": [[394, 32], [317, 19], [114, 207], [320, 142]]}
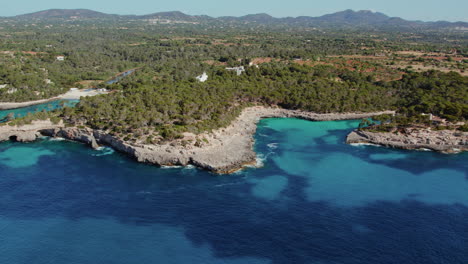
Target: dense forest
{"points": [[313, 69], [153, 99], [444, 95], [94, 51]]}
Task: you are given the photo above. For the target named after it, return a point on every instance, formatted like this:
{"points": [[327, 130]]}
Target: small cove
{"points": [[53, 105], [316, 200]]}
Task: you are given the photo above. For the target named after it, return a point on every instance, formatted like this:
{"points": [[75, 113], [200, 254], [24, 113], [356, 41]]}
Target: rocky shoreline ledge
{"points": [[445, 141], [222, 151]]}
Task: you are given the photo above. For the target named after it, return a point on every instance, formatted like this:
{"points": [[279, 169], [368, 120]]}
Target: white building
{"points": [[12, 90], [3, 86], [203, 77], [239, 70], [251, 64], [60, 58]]}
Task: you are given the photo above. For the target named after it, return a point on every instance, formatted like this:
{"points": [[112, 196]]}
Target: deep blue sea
{"points": [[316, 200]]}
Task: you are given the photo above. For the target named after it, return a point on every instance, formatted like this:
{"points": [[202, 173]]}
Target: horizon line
{"points": [[238, 16]]}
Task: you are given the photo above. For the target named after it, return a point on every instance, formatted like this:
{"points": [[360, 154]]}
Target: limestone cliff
{"points": [[225, 150], [446, 141]]}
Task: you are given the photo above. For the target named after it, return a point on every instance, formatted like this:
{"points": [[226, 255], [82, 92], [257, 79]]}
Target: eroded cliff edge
{"points": [[445, 141], [222, 151]]}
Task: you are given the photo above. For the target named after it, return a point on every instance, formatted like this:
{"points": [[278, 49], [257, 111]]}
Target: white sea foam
{"points": [[273, 145], [171, 167], [241, 170], [56, 139], [262, 158], [189, 167], [424, 149], [104, 151], [259, 161], [364, 144]]}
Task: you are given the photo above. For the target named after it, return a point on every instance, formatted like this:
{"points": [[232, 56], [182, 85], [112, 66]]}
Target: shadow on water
{"points": [[222, 212], [416, 162]]}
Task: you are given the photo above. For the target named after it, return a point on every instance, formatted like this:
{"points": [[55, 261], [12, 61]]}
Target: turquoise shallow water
{"points": [[52, 105], [316, 200], [120, 77], [49, 106]]}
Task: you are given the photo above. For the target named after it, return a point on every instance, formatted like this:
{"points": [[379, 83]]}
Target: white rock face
{"points": [[222, 151], [446, 141], [27, 133]]}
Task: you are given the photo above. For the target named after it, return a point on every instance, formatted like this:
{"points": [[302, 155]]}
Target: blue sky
{"points": [[427, 10]]}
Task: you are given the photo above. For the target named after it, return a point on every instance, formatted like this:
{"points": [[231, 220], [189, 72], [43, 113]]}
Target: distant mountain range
{"points": [[363, 18], [65, 14]]}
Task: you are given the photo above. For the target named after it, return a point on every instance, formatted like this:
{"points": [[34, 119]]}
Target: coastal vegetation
{"points": [[142, 102], [324, 70], [430, 99]]}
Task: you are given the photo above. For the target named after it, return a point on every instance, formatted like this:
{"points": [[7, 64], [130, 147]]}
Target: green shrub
{"points": [[464, 128]]}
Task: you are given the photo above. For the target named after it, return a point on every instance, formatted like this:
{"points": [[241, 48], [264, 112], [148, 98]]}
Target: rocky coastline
{"points": [[445, 141], [222, 151]]}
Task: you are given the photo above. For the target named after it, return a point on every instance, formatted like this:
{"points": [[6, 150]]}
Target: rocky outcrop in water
{"points": [[222, 151], [446, 141]]}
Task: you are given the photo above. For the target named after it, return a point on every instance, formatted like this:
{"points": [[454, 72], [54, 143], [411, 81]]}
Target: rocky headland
{"points": [[445, 141], [222, 151]]}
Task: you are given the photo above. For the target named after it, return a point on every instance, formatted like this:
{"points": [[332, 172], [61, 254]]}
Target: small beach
{"points": [[70, 95]]}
